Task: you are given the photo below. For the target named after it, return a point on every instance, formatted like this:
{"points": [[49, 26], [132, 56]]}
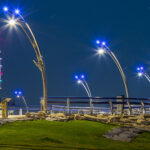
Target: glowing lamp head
{"points": [[140, 74], [76, 77], [18, 96], [101, 51], [19, 92], [79, 81], [82, 76], [16, 92], [5, 9], [17, 11], [103, 43], [97, 42], [12, 22], [141, 68], [138, 69]]}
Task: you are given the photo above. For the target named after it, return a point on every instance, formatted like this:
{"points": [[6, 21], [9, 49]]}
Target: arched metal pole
{"points": [[39, 63], [112, 55], [147, 76], [87, 89], [25, 103]]}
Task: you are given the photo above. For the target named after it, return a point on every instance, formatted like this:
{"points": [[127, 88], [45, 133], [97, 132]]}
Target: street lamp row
{"points": [[102, 49]]}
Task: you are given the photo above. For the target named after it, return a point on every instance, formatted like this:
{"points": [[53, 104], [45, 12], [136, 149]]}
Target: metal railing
{"points": [[106, 105]]}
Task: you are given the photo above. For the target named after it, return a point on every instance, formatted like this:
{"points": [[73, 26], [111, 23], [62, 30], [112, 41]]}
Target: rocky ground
{"points": [[124, 133]]}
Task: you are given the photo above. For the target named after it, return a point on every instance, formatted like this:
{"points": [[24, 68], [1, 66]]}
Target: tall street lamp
{"points": [[81, 80], [141, 72], [20, 95], [19, 20], [104, 49]]}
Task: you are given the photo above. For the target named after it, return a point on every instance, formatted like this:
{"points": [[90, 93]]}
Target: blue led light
{"points": [[141, 68], [82, 76], [97, 42], [17, 11], [76, 77], [16, 92], [19, 92], [103, 43], [5, 8]]}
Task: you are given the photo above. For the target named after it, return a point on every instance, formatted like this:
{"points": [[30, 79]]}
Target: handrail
{"points": [[96, 98]]}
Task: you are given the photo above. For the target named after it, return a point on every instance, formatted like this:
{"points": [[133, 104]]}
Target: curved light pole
{"points": [[141, 73], [105, 49], [85, 85], [40, 62], [19, 95]]}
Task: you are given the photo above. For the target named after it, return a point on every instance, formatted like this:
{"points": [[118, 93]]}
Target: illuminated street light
{"points": [[20, 95], [17, 11], [81, 80], [12, 22], [101, 51], [105, 49], [5, 8], [141, 72], [39, 62], [103, 43], [97, 42]]}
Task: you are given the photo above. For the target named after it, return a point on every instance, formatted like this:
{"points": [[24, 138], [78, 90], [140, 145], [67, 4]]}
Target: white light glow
{"points": [[79, 81], [17, 11], [97, 42], [140, 74], [18, 96], [103, 43], [101, 51], [12, 22], [5, 8]]}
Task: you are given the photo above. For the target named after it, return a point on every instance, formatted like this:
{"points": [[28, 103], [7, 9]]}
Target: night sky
{"points": [[66, 31]]}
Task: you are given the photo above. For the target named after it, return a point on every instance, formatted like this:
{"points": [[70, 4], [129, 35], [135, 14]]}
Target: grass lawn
{"points": [[84, 135]]}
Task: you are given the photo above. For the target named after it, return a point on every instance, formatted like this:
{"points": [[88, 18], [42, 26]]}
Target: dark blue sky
{"points": [[66, 31]]}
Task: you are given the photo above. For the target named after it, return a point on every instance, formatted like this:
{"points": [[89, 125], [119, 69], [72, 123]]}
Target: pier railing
{"points": [[108, 105]]}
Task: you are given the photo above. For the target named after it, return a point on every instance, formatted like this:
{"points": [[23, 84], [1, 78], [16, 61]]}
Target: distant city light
{"points": [[5, 9]]}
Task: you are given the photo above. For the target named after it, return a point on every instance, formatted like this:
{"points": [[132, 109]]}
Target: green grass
{"points": [[82, 135]]}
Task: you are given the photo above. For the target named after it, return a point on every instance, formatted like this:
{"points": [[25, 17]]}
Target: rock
{"points": [[114, 119], [125, 134]]}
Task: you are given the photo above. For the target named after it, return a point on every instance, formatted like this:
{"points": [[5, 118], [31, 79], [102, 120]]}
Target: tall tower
{"points": [[1, 71]]}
